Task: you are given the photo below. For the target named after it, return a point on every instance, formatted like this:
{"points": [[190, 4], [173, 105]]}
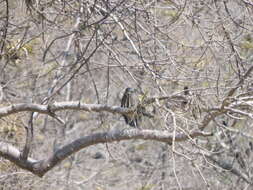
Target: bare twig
{"points": [[29, 139]]}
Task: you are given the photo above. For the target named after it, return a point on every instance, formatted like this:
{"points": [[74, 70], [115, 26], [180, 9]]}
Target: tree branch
{"points": [[29, 139], [40, 167], [229, 167], [72, 105]]}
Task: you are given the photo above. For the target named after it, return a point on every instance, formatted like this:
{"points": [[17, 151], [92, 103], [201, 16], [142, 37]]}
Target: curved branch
{"points": [[40, 167]]}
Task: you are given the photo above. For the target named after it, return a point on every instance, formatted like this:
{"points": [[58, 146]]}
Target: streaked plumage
{"points": [[129, 100]]}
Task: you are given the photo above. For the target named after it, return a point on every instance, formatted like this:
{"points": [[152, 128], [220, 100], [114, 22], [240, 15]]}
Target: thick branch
{"points": [[41, 167], [74, 105], [58, 106]]}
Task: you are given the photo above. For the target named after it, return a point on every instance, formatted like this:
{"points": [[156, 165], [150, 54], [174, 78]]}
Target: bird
{"points": [[130, 99]]}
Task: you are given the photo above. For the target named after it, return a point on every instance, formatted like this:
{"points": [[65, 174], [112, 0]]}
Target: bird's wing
{"points": [[125, 101]]}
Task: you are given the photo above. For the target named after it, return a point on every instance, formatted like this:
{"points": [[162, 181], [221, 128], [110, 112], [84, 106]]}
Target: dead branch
{"points": [[40, 167], [71, 105]]}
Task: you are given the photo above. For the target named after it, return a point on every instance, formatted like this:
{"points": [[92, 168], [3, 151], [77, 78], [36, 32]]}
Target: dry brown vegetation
{"points": [[66, 63]]}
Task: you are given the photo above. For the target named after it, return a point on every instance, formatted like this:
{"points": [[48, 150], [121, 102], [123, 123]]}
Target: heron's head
{"points": [[130, 90]]}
